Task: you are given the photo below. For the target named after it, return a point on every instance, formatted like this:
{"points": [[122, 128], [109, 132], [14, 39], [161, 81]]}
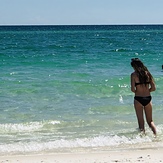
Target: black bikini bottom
{"points": [[143, 100]]}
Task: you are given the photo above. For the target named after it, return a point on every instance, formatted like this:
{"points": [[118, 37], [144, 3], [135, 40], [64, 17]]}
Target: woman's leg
{"points": [[148, 114], [139, 114]]}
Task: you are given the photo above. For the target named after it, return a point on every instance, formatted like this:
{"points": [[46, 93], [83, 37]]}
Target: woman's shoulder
{"points": [[134, 74]]}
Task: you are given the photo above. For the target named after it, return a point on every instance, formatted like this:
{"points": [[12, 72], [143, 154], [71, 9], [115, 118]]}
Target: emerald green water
{"points": [[70, 87]]}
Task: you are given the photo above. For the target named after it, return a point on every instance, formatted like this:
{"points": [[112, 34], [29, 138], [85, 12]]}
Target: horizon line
{"points": [[76, 24]]}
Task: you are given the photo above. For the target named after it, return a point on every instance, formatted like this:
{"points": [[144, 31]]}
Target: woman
{"points": [[142, 83]]}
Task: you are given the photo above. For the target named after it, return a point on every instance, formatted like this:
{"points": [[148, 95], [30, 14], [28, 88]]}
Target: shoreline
{"points": [[148, 156], [145, 155]]}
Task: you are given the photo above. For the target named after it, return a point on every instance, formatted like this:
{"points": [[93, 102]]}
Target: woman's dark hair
{"points": [[143, 73]]}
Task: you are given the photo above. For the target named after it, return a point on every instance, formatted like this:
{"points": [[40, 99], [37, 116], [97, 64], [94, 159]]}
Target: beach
{"points": [[65, 93], [132, 156]]}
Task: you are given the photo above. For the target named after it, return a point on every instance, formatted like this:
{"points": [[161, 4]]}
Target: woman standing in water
{"points": [[142, 83]]}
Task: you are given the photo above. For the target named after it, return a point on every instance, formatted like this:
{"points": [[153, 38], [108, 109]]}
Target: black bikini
{"points": [[141, 83], [143, 100]]}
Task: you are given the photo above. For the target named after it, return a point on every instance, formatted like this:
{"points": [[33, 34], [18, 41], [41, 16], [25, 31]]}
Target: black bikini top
{"points": [[141, 83]]}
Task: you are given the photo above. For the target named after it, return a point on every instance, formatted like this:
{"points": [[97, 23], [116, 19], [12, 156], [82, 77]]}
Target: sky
{"points": [[80, 12]]}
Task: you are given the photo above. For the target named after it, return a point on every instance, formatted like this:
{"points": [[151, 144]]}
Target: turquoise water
{"points": [[68, 87]]}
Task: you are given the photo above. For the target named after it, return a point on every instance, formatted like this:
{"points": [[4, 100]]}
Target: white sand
{"points": [[129, 156]]}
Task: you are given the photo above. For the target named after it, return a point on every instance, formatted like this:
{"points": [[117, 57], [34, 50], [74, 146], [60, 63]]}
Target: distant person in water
{"points": [[142, 84]]}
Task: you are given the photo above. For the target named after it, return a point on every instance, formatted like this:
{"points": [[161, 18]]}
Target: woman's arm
{"points": [[152, 86], [132, 83]]}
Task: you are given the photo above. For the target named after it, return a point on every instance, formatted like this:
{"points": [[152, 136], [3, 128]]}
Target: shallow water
{"points": [[69, 86]]}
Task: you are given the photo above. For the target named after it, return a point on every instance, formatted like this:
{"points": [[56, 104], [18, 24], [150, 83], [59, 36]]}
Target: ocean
{"points": [[67, 88]]}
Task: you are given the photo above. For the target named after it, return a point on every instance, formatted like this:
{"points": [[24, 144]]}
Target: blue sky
{"points": [[72, 12]]}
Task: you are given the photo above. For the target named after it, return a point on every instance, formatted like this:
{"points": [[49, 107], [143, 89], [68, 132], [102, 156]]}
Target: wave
{"points": [[25, 127], [106, 141], [121, 50], [41, 137], [54, 135]]}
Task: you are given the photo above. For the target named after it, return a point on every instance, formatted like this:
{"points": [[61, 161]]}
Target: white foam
{"points": [[24, 127], [99, 141], [31, 137]]}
